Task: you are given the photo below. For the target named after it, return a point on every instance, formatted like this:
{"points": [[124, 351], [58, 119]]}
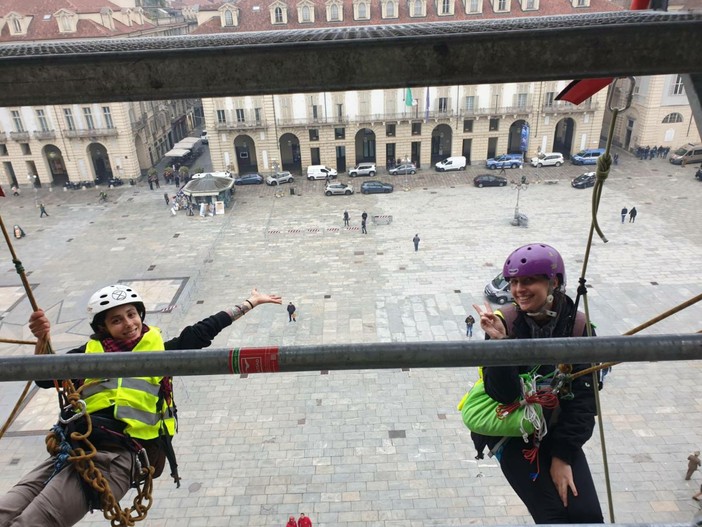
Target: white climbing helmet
{"points": [[113, 296]]}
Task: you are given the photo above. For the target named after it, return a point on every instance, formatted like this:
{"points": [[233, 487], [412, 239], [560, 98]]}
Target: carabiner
{"points": [[629, 96], [78, 415]]}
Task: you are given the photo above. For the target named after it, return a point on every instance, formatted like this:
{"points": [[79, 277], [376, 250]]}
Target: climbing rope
{"points": [[604, 163], [82, 458]]}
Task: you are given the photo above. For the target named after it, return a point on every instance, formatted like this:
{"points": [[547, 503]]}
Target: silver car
{"points": [[280, 177], [338, 188]]}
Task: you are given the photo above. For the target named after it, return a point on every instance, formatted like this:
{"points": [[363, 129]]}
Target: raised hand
{"points": [[257, 298], [490, 323]]}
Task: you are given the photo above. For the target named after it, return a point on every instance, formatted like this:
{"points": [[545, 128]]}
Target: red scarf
{"points": [[111, 345]]}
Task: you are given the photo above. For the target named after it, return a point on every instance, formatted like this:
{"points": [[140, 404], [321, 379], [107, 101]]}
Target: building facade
{"points": [[51, 145]]}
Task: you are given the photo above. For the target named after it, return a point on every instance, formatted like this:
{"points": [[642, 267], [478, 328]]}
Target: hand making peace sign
{"points": [[490, 323]]}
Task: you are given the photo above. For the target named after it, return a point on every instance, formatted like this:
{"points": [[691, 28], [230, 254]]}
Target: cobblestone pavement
{"points": [[368, 448]]}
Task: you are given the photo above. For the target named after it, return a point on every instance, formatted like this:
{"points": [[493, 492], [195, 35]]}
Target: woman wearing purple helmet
{"points": [[555, 484]]}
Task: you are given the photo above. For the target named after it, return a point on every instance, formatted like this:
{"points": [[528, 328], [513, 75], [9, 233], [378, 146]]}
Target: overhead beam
{"points": [[392, 56], [354, 356]]}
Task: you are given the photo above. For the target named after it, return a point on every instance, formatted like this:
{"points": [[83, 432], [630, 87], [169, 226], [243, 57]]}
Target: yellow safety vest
{"points": [[135, 399]]}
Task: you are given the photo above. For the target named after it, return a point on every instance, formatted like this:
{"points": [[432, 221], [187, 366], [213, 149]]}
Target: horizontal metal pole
{"points": [[349, 58], [355, 357]]}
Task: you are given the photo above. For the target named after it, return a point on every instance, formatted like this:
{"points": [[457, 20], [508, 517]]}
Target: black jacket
{"points": [[576, 416]]}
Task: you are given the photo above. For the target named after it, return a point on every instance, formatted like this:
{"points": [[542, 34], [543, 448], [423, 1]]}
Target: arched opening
{"points": [[518, 139], [245, 152], [289, 146], [57, 167], [563, 137], [441, 138], [100, 160], [365, 146]]}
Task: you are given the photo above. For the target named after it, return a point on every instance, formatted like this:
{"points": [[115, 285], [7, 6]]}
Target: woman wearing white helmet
{"points": [[126, 414], [549, 472]]}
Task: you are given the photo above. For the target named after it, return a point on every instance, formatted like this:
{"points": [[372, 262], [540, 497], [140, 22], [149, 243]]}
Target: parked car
{"points": [[585, 180], [280, 177], [376, 187], [488, 180], [320, 172], [547, 159], [338, 188], [452, 163], [401, 170], [363, 169], [249, 179], [505, 161], [203, 138], [498, 290], [587, 157]]}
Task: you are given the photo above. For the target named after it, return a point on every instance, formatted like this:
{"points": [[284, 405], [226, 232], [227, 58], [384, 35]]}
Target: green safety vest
{"points": [[137, 401]]}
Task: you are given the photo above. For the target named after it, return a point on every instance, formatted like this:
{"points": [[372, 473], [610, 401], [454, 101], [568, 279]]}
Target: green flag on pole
{"points": [[408, 97]]}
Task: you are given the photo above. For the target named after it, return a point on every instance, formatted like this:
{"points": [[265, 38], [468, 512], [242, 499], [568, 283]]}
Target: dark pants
{"points": [[541, 496]]}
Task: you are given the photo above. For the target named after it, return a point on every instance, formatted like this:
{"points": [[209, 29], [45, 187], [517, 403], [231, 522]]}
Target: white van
{"points": [[690, 153], [452, 163], [498, 290], [320, 172]]}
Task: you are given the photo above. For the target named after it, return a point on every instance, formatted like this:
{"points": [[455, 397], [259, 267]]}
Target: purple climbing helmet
{"points": [[535, 259]]}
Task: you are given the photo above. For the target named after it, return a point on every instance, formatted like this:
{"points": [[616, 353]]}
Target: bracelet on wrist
{"points": [[249, 303]]}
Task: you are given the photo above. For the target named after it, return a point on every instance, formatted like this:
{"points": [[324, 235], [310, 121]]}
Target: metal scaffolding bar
{"points": [[349, 58], [354, 356]]}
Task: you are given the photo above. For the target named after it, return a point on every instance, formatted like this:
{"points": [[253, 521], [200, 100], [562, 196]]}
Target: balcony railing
{"points": [[19, 136], [139, 123], [567, 107], [304, 121], [95, 132], [241, 125], [43, 135]]}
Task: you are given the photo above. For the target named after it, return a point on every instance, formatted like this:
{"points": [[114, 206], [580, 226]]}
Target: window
{"points": [[522, 100], [88, 114], [107, 115], [221, 116], [68, 115], [362, 11], [494, 124], [340, 111], [581, 3], [390, 10], [443, 104], [501, 5], [339, 133], [417, 8], [468, 125], [445, 7], [416, 128], [17, 120], [315, 112], [305, 14], [314, 134], [673, 118], [470, 103], [17, 24], [228, 18], [43, 123], [26, 151], [678, 87], [474, 5], [531, 4], [334, 12], [549, 99], [240, 117], [390, 130], [257, 114], [278, 15], [3, 150]]}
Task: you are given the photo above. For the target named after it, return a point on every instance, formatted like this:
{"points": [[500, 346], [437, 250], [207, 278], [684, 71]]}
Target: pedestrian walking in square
{"points": [[42, 210], [415, 241], [292, 317], [346, 218], [304, 521], [693, 464], [291, 522], [632, 215], [363, 226], [625, 211], [165, 197]]}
